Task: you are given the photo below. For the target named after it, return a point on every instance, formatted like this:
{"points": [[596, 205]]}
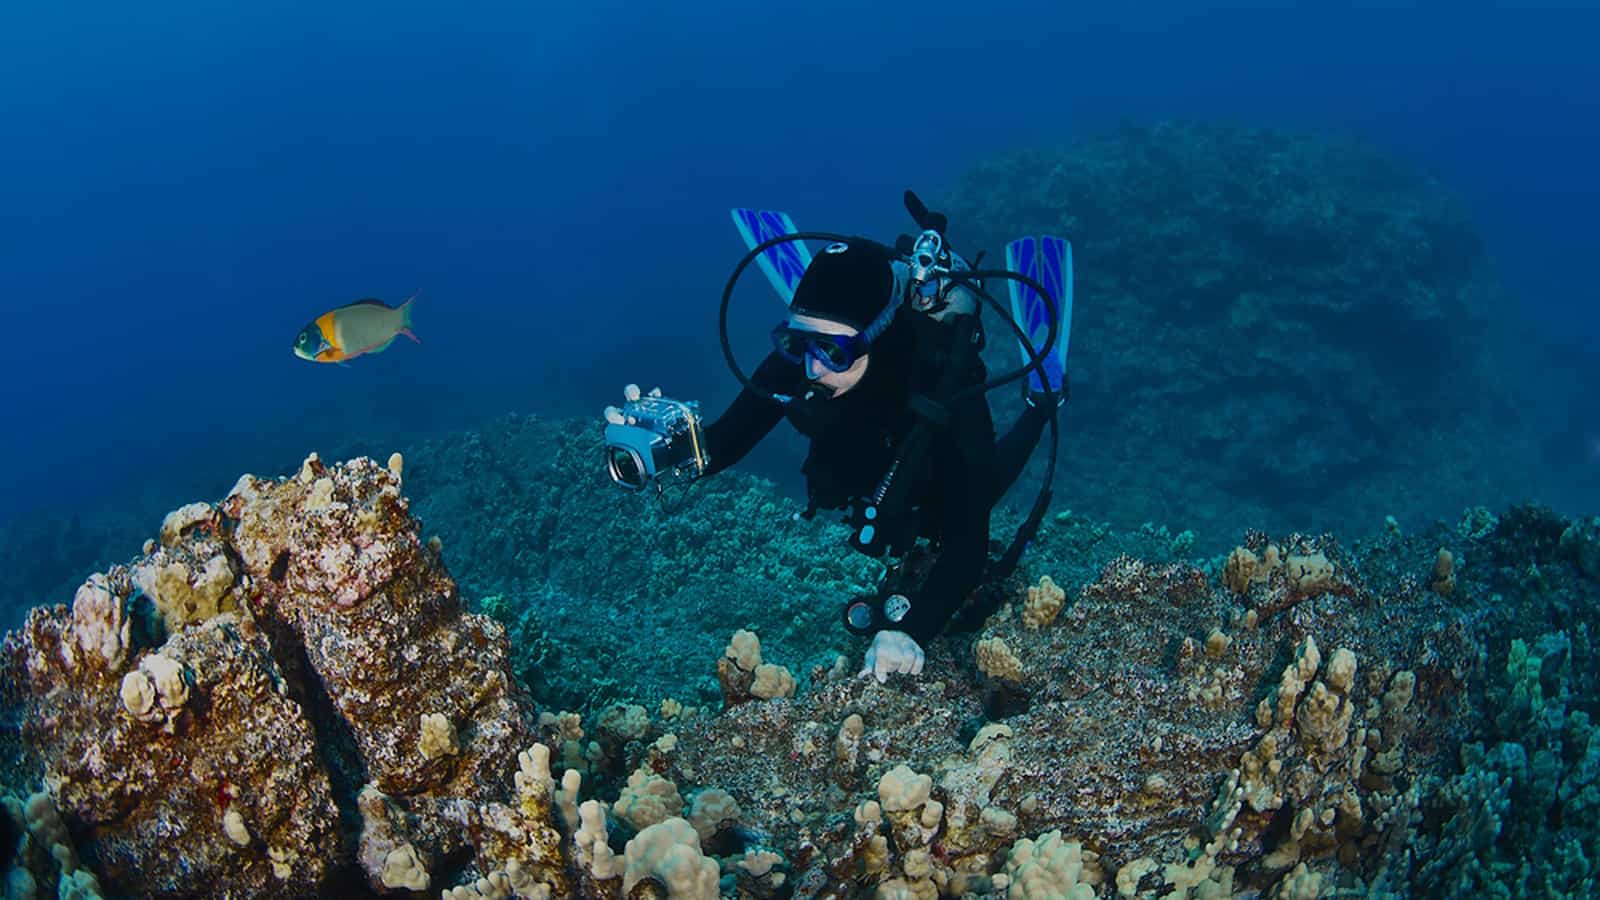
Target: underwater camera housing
{"points": [[659, 440]]}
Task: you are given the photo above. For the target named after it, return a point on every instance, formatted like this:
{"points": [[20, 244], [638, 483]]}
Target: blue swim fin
{"points": [[784, 263], [1047, 260]]}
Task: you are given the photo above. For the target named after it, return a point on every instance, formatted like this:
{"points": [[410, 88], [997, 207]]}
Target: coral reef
{"points": [[255, 724], [199, 733], [1486, 831], [1295, 717], [1266, 316]]}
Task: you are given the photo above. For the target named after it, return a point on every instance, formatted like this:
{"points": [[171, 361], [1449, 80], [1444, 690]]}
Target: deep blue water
{"points": [[184, 185]]}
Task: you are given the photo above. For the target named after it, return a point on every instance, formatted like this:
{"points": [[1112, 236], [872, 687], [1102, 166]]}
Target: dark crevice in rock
{"points": [[280, 566], [335, 742], [10, 838]]}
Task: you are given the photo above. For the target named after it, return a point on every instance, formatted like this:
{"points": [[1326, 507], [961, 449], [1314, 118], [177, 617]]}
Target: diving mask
{"points": [[835, 352]]}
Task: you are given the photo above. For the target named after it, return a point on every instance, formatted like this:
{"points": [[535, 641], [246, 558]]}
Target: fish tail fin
{"points": [[405, 317]]}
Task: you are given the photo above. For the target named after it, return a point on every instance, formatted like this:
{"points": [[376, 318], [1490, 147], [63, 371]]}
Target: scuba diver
{"points": [[878, 364]]}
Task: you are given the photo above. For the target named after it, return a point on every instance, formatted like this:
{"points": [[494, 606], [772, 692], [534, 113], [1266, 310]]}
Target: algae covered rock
{"points": [[200, 734], [343, 573], [226, 753]]}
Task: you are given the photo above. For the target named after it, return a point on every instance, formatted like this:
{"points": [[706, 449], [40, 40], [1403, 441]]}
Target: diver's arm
{"points": [[749, 418], [962, 556], [966, 452]]}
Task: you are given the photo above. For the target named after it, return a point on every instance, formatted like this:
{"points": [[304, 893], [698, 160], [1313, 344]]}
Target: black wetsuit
{"points": [[854, 439]]}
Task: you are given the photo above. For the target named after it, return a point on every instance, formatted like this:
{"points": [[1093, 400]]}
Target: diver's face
{"points": [[839, 383]]}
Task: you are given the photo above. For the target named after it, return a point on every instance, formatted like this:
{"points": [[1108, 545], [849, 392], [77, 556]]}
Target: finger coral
{"points": [[1043, 603]]}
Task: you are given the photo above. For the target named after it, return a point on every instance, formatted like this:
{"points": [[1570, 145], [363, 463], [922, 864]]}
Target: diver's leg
{"points": [[1012, 450]]}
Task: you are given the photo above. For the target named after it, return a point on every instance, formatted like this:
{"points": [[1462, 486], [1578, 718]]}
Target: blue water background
{"points": [[184, 185]]}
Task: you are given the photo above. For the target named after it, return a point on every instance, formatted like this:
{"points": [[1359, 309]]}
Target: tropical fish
{"points": [[365, 326]]}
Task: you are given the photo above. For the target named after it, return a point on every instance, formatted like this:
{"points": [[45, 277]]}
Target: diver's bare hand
{"points": [[630, 394], [892, 653]]}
